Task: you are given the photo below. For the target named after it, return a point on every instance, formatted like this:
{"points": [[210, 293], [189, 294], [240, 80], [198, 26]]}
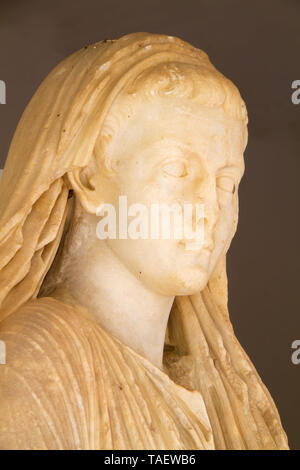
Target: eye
{"points": [[175, 168], [226, 183]]}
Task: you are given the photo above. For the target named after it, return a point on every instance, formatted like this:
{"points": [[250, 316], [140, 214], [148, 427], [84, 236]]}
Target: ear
{"points": [[83, 182]]}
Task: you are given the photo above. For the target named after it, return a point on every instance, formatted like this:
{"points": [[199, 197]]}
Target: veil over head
{"points": [[57, 134]]}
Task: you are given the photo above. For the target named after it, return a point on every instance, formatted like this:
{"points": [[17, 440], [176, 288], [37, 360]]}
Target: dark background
{"points": [[255, 43]]}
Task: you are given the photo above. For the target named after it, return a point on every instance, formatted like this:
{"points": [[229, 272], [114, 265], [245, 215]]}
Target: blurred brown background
{"points": [[256, 43]]}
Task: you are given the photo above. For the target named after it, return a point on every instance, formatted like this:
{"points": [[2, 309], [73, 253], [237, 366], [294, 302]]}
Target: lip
{"points": [[192, 246]]}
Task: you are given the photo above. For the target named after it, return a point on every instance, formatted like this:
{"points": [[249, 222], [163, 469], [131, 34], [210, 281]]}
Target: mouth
{"points": [[196, 247]]}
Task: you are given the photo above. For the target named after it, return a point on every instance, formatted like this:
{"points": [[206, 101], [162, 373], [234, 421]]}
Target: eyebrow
{"points": [[187, 147], [177, 143]]}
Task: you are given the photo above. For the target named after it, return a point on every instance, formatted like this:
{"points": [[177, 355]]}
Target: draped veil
{"points": [[56, 134]]}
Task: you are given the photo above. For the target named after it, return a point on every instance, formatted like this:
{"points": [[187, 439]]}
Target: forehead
{"points": [[170, 123]]}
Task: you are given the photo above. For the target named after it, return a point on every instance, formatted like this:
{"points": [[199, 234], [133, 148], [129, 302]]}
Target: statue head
{"points": [[147, 117], [174, 135]]}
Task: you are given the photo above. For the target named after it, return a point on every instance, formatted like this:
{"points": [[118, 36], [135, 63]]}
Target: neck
{"points": [[91, 274]]}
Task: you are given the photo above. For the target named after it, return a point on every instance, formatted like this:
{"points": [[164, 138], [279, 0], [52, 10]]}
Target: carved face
{"points": [[174, 151]]}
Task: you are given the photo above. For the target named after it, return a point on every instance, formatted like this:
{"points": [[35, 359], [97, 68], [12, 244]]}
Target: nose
{"points": [[210, 222], [211, 210], [211, 213]]}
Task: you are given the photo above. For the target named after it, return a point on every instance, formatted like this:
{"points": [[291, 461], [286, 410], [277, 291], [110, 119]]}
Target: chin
{"points": [[193, 288], [188, 282]]}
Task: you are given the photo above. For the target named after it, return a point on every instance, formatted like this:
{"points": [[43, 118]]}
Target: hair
{"points": [[200, 83]]}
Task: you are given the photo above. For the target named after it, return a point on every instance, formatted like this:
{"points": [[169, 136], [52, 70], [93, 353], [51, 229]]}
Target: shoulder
{"points": [[42, 330], [45, 313], [40, 392]]}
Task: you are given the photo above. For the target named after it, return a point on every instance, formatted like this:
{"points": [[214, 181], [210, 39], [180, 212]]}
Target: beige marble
{"points": [[125, 343]]}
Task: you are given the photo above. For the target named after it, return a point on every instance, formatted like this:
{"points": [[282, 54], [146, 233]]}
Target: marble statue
{"points": [[125, 343]]}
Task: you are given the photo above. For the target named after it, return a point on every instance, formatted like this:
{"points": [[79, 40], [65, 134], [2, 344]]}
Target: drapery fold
{"points": [[57, 134]]}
